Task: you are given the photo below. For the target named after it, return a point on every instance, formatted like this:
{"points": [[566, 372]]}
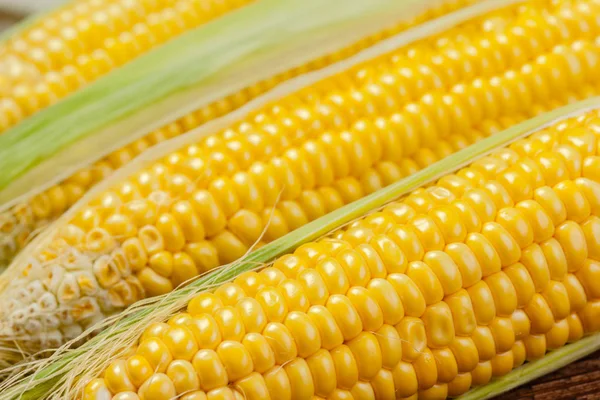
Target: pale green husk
{"points": [[193, 70], [67, 366]]}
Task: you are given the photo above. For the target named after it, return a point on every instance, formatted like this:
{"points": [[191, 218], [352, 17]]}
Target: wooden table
{"points": [[580, 380]]}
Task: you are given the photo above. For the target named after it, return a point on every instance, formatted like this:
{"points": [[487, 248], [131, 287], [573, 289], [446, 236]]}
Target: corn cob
{"points": [[446, 289], [205, 205], [86, 39], [19, 222]]}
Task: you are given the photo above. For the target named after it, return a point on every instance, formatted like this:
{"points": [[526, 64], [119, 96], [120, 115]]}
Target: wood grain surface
{"points": [[579, 380]]}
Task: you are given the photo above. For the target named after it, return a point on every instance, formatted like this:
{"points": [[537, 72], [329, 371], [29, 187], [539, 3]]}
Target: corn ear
{"points": [[521, 141]]}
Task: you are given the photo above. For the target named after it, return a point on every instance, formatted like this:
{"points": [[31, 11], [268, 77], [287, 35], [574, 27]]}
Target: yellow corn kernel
{"points": [[388, 300], [482, 374], [333, 275], [572, 240], [367, 308], [294, 295], [205, 330], [426, 370], [407, 240], [274, 304], [345, 315], [503, 334], [438, 325], [95, 389], [522, 282], [230, 293], [503, 292], [446, 364], [138, 369], [330, 333], [462, 312], [363, 390], [281, 341], [184, 376], [117, 379], [323, 373], [555, 259], [557, 298], [535, 262], [484, 251], [409, 293], [157, 386], [204, 303], [252, 315], [535, 346], [467, 263], [300, 378], [230, 323], [405, 379], [444, 268], [305, 333], [355, 267], [383, 385], [459, 385], [466, 353], [156, 353], [367, 353], [426, 280], [483, 302], [502, 363], [413, 337], [235, 358], [388, 339], [588, 276], [222, 393], [181, 343], [589, 316], [272, 276], [558, 335], [210, 369], [345, 365], [127, 396], [278, 383], [540, 315]]}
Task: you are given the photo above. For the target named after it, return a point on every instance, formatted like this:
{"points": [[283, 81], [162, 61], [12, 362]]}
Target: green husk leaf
{"points": [[53, 371], [195, 69]]}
